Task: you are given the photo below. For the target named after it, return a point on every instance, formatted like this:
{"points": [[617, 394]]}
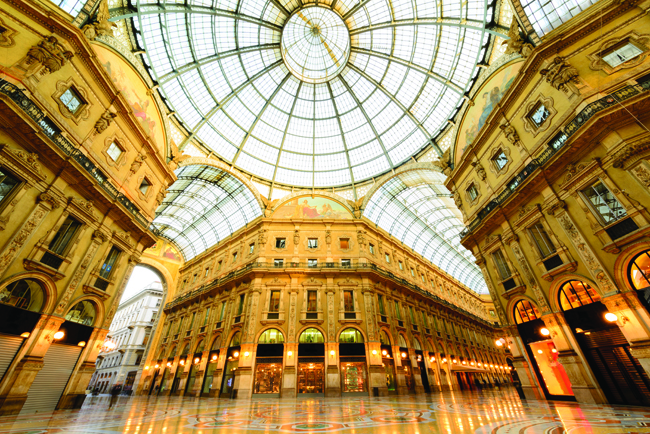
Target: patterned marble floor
{"points": [[491, 411]]}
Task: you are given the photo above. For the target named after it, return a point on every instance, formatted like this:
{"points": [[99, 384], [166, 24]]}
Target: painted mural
{"points": [[164, 249], [485, 101], [312, 208], [129, 83]]}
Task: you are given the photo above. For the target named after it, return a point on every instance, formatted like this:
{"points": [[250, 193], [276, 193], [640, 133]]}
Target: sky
{"points": [[141, 278]]}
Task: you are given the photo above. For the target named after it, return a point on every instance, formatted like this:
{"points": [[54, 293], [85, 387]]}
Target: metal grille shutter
{"points": [[9, 346], [46, 390]]}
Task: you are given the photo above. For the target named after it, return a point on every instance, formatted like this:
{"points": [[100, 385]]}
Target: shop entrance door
{"points": [[228, 382], [153, 381], [423, 372], [311, 378]]}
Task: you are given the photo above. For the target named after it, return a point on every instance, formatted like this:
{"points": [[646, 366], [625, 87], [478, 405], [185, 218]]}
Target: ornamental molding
{"points": [[83, 207], [312, 282], [23, 160], [276, 282], [530, 277], [631, 153], [83, 112], [529, 125], [48, 56], [7, 35], [574, 174], [561, 75], [640, 40], [348, 282]]}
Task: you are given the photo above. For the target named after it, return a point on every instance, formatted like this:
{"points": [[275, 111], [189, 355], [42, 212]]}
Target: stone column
{"points": [[332, 374], [19, 377]]}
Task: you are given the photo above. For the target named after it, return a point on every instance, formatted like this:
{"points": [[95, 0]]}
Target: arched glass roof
{"points": [[73, 7], [546, 15], [204, 206], [416, 208], [403, 73]]}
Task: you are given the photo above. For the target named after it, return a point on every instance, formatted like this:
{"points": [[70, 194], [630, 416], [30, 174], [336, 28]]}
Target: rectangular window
{"points": [[424, 320], [542, 240], [219, 265], [312, 303], [412, 272], [274, 303], [59, 245], [603, 203], [280, 243], [501, 264], [207, 271], [240, 308], [398, 314], [109, 263], [387, 256], [114, 151], [345, 243], [207, 316], [380, 300], [144, 186], [8, 184], [234, 257], [196, 275], [500, 160], [411, 315], [472, 192], [192, 321], [71, 99], [183, 284], [278, 263], [371, 249], [312, 243], [621, 53], [223, 311], [347, 263], [251, 248], [400, 265], [312, 263], [539, 115], [348, 301]]}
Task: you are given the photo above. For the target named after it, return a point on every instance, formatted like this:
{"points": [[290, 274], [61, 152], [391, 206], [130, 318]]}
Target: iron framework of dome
{"points": [[401, 75]]}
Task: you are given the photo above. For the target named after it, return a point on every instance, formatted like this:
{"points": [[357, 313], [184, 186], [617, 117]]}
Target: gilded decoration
{"points": [[639, 40], [515, 43], [529, 125], [7, 35], [561, 75], [83, 112], [50, 54]]}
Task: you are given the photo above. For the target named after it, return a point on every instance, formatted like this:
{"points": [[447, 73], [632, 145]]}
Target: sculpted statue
{"points": [[50, 53], [100, 26], [559, 74], [104, 121], [516, 43]]}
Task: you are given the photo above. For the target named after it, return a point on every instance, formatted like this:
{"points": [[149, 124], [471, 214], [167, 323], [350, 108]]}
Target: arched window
{"points": [[271, 336], [25, 294], [82, 313], [525, 311], [351, 336], [383, 338], [172, 352], [401, 341], [416, 344], [311, 336], [216, 344], [186, 350], [639, 271], [575, 293], [235, 341], [200, 347]]}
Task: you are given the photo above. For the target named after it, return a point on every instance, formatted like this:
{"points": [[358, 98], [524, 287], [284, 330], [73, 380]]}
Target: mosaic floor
{"points": [[492, 411]]}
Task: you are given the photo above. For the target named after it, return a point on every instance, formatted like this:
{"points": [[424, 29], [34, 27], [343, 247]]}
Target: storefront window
{"points": [[390, 374], [354, 376], [639, 273], [575, 293], [310, 377], [555, 377], [525, 311], [25, 294], [351, 336], [268, 377], [311, 336], [209, 376], [82, 313], [271, 336]]}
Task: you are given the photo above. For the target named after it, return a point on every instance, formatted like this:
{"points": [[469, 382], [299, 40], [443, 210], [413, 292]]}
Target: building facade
{"points": [[130, 333], [311, 300], [80, 179], [554, 190]]}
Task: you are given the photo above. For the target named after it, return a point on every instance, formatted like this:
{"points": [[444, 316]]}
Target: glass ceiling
{"points": [[220, 67], [204, 206], [546, 15], [416, 208]]}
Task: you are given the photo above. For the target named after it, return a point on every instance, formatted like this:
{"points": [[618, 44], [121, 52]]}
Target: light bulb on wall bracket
{"points": [[374, 352], [611, 317], [289, 353], [246, 354], [544, 331], [156, 366], [59, 335], [214, 357], [332, 353], [25, 335]]}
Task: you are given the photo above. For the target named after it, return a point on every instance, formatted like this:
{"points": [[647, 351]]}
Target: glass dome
{"points": [[312, 94]]}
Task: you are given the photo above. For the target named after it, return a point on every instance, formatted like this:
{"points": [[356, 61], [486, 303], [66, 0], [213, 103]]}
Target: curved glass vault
{"points": [[416, 208], [204, 206], [353, 97]]}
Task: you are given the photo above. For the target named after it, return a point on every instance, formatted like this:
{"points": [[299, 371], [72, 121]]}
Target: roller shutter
{"points": [[46, 390], [9, 346]]}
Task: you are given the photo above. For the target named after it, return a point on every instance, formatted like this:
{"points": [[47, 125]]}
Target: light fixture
{"points": [[403, 355], [289, 353], [444, 360], [454, 361], [82, 344], [235, 354], [540, 352], [169, 364], [384, 352], [156, 366], [374, 352], [59, 335], [499, 343], [146, 368], [611, 317], [587, 333], [471, 363], [196, 360], [332, 353], [553, 350], [479, 364], [182, 362], [433, 359], [214, 357], [246, 354], [544, 331], [579, 330], [25, 335]]}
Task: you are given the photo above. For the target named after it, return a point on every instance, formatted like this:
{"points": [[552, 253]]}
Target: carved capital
{"points": [[48, 199]]}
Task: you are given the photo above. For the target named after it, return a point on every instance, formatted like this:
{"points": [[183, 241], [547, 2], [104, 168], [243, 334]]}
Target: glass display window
{"points": [[354, 376], [553, 373], [389, 369], [311, 377], [268, 377]]}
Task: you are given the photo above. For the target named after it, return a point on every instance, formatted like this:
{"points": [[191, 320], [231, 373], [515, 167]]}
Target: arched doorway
{"points": [[311, 362], [268, 363], [419, 357], [541, 352], [352, 359], [213, 357], [388, 362], [232, 363], [620, 375], [407, 369], [638, 273]]}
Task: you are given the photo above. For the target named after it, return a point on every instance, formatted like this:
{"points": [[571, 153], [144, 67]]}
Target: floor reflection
{"points": [[492, 411]]}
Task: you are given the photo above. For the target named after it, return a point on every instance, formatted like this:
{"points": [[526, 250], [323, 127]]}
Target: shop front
{"points": [[210, 369], [269, 364], [353, 366], [408, 369], [388, 363], [311, 363], [232, 363]]}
